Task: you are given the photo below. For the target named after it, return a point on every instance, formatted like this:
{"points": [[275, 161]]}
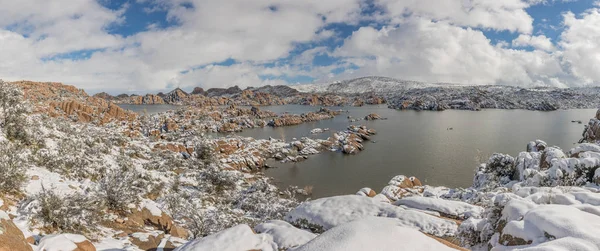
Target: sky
{"points": [[139, 46]]}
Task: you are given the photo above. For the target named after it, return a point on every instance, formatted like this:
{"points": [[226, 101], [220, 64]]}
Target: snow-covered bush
{"points": [[214, 180], [13, 113], [70, 213], [120, 187], [498, 170], [12, 168], [263, 201]]}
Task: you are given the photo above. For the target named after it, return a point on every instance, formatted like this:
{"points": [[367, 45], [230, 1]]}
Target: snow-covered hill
{"points": [[364, 85]]}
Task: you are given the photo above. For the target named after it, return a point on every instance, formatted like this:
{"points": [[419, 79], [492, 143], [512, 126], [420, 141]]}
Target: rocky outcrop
{"points": [[56, 100], [176, 96], [350, 141], [591, 132], [104, 95], [288, 119], [216, 92], [150, 215], [372, 116], [198, 91], [148, 99]]}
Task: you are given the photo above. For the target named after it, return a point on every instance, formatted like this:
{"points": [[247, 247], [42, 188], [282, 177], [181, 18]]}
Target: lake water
{"points": [[150, 109], [417, 143]]}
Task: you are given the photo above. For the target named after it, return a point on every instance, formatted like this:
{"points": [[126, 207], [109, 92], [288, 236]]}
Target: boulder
{"points": [[372, 116], [11, 237]]}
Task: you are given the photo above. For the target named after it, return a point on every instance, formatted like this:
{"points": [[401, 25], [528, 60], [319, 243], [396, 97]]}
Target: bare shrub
{"points": [[120, 187], [72, 213]]}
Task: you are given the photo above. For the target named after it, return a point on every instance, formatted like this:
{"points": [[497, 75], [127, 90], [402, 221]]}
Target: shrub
{"points": [[205, 153], [72, 213], [14, 110], [120, 187], [12, 169], [263, 201]]}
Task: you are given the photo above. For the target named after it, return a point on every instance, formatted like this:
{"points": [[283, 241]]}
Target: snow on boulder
{"points": [[562, 244], [372, 233], [560, 221], [316, 131], [65, 242], [545, 223], [285, 235], [536, 146], [240, 237], [452, 209], [365, 191], [326, 213], [584, 147]]}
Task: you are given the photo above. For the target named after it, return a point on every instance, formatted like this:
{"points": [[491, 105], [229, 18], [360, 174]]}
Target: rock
{"points": [[373, 116], [65, 242], [366, 192], [11, 237], [151, 215], [198, 91], [148, 241], [316, 130]]}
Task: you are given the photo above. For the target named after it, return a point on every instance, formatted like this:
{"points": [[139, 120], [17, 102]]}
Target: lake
{"points": [[417, 143]]}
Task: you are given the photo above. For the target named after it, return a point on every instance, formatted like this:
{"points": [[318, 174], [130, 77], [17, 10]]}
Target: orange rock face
{"points": [[57, 99], [11, 238]]}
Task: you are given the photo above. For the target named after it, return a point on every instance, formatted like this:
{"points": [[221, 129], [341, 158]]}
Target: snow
{"points": [[284, 235], [563, 221], [4, 215], [151, 206], [61, 242], [455, 208], [372, 233], [236, 238], [334, 211], [563, 244]]}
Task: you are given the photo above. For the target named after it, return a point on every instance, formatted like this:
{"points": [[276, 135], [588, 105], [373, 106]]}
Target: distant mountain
{"points": [[283, 91], [380, 85], [217, 92]]}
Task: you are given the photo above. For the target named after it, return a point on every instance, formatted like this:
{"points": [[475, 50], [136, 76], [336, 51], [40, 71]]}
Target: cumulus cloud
{"points": [[581, 46], [500, 15], [442, 52], [540, 42]]}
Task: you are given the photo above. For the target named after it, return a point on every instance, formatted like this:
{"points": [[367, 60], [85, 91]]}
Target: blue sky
{"points": [[148, 45]]}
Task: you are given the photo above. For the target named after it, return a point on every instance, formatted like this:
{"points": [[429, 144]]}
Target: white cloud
{"points": [[429, 51], [492, 14], [540, 42], [581, 45]]}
